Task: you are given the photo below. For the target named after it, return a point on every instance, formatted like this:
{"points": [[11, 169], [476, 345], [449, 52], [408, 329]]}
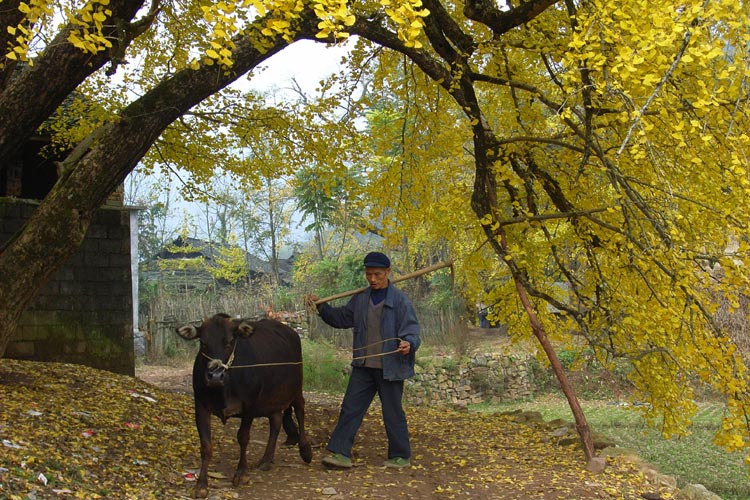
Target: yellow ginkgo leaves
{"points": [[407, 14], [90, 21], [334, 16], [35, 13]]}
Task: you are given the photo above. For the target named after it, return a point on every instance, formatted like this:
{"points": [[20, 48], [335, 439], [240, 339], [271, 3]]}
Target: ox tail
{"points": [[297, 435], [290, 428]]}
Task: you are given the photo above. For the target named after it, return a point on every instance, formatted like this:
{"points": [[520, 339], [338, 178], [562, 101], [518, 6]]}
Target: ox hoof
{"points": [[240, 478], [200, 491], [265, 466], [305, 451]]}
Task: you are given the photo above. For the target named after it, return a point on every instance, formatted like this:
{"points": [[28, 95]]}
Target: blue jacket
{"points": [[398, 321]]}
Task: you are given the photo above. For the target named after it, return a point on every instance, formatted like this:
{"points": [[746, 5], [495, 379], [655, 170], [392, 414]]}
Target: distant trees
{"points": [[331, 204], [153, 200]]}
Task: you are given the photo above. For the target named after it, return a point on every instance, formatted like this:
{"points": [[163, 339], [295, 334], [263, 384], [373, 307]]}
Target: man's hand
{"points": [[310, 300], [404, 347]]}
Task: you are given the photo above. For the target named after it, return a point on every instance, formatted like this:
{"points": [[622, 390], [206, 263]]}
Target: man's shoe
{"points": [[397, 463], [337, 461]]}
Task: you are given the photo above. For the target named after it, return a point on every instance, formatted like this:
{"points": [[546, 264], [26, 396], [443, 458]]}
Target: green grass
{"points": [[325, 367], [691, 459]]}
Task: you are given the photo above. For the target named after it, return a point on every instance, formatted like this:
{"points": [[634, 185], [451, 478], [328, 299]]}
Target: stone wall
{"points": [[482, 377], [84, 313]]}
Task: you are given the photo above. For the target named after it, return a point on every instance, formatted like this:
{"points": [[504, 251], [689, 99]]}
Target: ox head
{"points": [[218, 337]]}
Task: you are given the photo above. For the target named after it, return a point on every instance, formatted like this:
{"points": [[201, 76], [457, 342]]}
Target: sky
{"points": [[306, 61]]}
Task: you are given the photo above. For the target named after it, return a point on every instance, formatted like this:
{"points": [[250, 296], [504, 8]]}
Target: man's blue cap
{"points": [[377, 259]]}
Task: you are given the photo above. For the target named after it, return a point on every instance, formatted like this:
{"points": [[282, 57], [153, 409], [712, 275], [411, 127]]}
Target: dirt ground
{"points": [[455, 455]]}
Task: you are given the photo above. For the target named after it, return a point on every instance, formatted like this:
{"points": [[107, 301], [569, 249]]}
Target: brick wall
{"points": [[84, 314]]}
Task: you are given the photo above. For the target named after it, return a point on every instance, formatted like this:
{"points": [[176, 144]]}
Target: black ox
{"points": [[247, 369]]}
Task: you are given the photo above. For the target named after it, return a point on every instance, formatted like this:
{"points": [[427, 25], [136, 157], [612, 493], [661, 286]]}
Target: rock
{"points": [[561, 431], [569, 440], [666, 480], [696, 492], [651, 496], [530, 417], [657, 477], [139, 343], [601, 441], [460, 406], [329, 491], [596, 465]]}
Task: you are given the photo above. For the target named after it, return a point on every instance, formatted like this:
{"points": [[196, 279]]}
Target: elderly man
{"points": [[386, 338]]}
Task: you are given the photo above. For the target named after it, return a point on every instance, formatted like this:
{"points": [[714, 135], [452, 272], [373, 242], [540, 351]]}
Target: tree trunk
{"points": [[537, 328], [32, 94], [96, 168]]}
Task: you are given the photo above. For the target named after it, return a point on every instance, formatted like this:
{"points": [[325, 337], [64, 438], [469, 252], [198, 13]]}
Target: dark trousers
{"points": [[364, 383]]}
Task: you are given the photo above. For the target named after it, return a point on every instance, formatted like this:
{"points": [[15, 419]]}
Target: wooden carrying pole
{"points": [[408, 276]]}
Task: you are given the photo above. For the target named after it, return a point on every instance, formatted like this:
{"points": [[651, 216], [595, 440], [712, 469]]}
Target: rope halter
{"points": [[214, 364]]}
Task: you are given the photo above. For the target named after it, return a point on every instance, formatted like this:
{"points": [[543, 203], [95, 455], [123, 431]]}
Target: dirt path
{"points": [[456, 455]]}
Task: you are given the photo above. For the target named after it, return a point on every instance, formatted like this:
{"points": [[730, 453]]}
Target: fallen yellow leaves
{"points": [[89, 434], [68, 431]]}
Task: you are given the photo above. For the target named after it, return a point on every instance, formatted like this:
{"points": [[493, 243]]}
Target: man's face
{"points": [[377, 277]]}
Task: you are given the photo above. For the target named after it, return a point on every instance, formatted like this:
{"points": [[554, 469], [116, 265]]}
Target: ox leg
{"points": [[305, 450], [203, 423], [243, 437], [274, 427], [290, 428]]}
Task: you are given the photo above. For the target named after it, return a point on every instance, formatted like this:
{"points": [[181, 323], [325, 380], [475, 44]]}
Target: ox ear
{"points": [[188, 332], [245, 329]]}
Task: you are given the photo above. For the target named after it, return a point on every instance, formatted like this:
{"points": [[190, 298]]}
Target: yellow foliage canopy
{"points": [[609, 146]]}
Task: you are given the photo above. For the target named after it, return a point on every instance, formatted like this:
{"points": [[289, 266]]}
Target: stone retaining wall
{"points": [[483, 377]]}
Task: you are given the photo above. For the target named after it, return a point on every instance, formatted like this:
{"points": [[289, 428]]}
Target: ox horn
{"points": [[188, 332], [245, 329]]}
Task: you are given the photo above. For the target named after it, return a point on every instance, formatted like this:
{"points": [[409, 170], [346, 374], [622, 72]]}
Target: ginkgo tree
{"points": [[608, 152], [598, 145]]}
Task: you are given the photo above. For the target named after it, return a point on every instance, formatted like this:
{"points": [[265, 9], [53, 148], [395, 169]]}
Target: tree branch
{"points": [[664, 78], [499, 21], [546, 217], [34, 92]]}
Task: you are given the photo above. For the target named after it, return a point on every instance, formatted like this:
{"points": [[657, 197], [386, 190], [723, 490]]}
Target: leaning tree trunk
{"points": [[484, 202], [96, 167], [537, 328], [500, 245], [33, 255]]}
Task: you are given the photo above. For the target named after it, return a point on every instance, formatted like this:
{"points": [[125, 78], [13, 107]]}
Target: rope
{"points": [[228, 364], [374, 344], [213, 361], [269, 364], [375, 355]]}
